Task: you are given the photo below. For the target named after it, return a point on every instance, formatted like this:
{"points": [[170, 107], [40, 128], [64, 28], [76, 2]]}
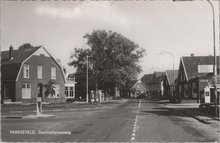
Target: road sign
{"points": [[205, 68]]}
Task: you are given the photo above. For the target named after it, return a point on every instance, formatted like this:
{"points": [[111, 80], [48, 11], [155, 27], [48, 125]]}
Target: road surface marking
{"points": [[135, 122], [133, 138]]}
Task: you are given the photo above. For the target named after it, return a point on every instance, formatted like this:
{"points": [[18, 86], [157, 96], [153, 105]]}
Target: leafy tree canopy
{"points": [[113, 59]]}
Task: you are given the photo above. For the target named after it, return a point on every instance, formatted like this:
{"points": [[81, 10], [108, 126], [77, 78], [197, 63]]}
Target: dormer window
{"points": [[26, 71]]}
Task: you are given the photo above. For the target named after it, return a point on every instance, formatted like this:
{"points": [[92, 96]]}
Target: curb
{"points": [[56, 110], [37, 117], [12, 117], [100, 106], [29, 117], [194, 117]]}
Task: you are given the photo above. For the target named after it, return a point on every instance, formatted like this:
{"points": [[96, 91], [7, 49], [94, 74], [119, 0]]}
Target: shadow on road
{"points": [[163, 112], [182, 112]]}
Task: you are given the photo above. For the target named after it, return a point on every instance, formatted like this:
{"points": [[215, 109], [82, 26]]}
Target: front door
{"points": [[6, 91], [40, 90]]}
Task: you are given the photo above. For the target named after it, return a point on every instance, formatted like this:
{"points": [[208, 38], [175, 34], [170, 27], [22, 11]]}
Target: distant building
{"points": [[195, 73], [146, 79], [25, 71], [138, 89], [168, 83], [156, 85]]}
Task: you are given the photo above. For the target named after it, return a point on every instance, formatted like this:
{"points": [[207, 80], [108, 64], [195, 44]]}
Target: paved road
{"points": [[132, 121]]}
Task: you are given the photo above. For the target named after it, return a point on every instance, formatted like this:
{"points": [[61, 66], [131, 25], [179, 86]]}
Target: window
{"points": [[53, 73], [26, 91], [26, 71], [69, 92], [206, 93], [39, 72], [66, 91], [57, 91]]}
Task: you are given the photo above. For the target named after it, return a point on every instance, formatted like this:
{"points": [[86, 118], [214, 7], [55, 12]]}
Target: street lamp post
{"points": [[215, 59], [87, 79], [164, 52]]}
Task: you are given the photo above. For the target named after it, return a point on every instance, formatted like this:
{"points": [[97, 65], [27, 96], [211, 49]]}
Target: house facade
{"points": [[26, 70], [156, 88], [195, 73]]}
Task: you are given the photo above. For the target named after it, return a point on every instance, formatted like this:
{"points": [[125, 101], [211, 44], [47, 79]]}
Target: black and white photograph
{"points": [[110, 70]]}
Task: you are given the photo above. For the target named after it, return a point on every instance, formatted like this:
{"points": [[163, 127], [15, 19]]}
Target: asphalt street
{"points": [[132, 121]]}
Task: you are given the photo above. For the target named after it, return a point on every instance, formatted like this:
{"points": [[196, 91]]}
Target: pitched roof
{"points": [[132, 83], [170, 74], [147, 78], [18, 55], [138, 82], [191, 64], [158, 74], [157, 80], [10, 67]]}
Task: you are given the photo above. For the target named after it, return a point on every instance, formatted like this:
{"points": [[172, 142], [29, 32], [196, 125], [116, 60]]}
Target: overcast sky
{"points": [[180, 28]]}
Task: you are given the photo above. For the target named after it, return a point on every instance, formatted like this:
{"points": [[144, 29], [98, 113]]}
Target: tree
{"points": [[49, 88], [113, 60]]}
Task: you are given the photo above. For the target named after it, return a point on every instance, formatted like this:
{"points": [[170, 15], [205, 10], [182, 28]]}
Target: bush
{"points": [[71, 100], [116, 98]]}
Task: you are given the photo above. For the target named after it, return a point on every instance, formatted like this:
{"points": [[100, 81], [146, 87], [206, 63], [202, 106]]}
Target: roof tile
{"points": [[191, 64]]}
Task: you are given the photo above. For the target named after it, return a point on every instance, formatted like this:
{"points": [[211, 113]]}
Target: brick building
{"points": [[25, 71], [195, 73]]}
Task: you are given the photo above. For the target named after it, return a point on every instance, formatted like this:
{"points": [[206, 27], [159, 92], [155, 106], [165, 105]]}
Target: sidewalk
{"points": [[192, 110], [29, 110]]}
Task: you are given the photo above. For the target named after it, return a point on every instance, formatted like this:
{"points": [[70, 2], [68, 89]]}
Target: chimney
{"points": [[192, 55], [10, 52]]}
